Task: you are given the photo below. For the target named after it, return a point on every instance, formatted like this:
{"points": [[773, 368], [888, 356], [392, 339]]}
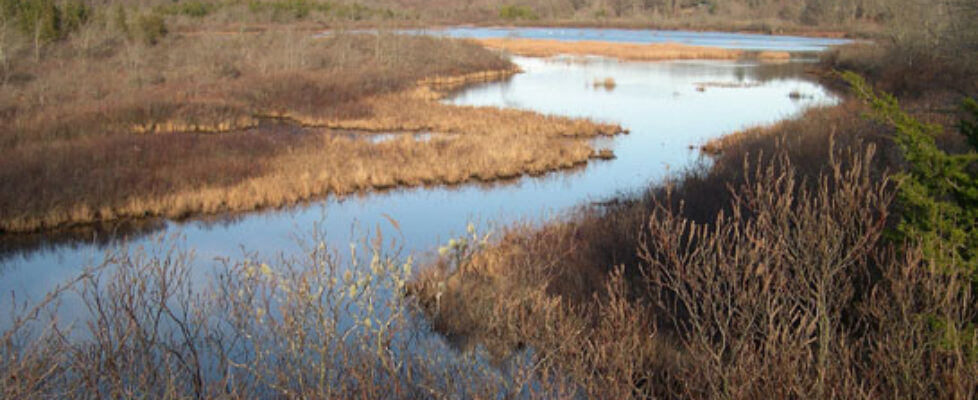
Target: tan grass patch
{"points": [[489, 144], [177, 130], [417, 111]]}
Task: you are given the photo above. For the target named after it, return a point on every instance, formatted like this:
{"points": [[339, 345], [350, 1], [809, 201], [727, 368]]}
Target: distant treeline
{"points": [[937, 20]]}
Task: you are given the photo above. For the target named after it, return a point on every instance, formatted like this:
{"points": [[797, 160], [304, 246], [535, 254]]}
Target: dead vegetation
{"points": [[764, 274], [312, 326], [789, 291], [215, 123]]}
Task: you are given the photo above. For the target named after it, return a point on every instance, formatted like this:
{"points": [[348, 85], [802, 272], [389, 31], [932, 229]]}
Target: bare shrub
{"points": [[313, 326], [919, 330], [759, 297]]}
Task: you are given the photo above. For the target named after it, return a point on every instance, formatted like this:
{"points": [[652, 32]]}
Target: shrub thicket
{"points": [[518, 12], [151, 28], [44, 20], [192, 8], [791, 288]]}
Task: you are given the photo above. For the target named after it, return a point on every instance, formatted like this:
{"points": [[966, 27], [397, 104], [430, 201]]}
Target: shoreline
{"points": [[297, 178], [626, 51], [432, 88], [641, 26], [411, 110]]}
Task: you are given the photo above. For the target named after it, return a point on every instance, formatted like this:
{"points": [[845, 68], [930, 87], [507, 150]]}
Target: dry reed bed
{"points": [[209, 80], [325, 164], [181, 132], [491, 144], [388, 110], [416, 111], [626, 51]]}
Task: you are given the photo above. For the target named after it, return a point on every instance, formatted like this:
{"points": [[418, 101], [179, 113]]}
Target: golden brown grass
{"points": [[418, 110], [625, 51], [186, 127], [487, 144], [324, 163]]}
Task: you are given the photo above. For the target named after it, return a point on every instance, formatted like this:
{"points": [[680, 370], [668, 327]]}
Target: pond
{"points": [[669, 108]]}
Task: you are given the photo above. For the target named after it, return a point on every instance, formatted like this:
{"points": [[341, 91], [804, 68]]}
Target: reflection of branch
{"points": [[19, 320]]}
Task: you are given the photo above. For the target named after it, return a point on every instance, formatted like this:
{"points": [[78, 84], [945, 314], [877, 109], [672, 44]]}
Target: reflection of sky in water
{"points": [[744, 41], [658, 102]]}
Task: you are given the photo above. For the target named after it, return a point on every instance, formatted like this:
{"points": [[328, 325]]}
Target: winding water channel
{"points": [[669, 107]]}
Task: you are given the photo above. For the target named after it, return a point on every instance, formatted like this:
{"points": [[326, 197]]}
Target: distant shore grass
{"points": [[625, 51], [177, 129]]}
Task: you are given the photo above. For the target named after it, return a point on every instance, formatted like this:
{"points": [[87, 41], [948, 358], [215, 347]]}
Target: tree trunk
{"points": [[37, 40]]}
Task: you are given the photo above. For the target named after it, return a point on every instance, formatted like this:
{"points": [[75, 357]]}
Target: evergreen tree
{"points": [[939, 191]]}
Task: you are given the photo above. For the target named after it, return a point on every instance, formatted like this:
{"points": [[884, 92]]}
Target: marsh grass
{"points": [[607, 83], [212, 78], [322, 163], [177, 129], [790, 293]]}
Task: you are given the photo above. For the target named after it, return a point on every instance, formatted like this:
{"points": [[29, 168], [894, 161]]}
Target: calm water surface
{"points": [[667, 106], [743, 41]]}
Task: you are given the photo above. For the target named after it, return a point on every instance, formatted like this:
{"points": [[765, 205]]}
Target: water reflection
{"points": [[743, 41], [658, 102]]}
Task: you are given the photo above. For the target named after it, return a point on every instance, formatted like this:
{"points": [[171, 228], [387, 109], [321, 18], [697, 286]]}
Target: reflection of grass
{"points": [[625, 51], [180, 132]]}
